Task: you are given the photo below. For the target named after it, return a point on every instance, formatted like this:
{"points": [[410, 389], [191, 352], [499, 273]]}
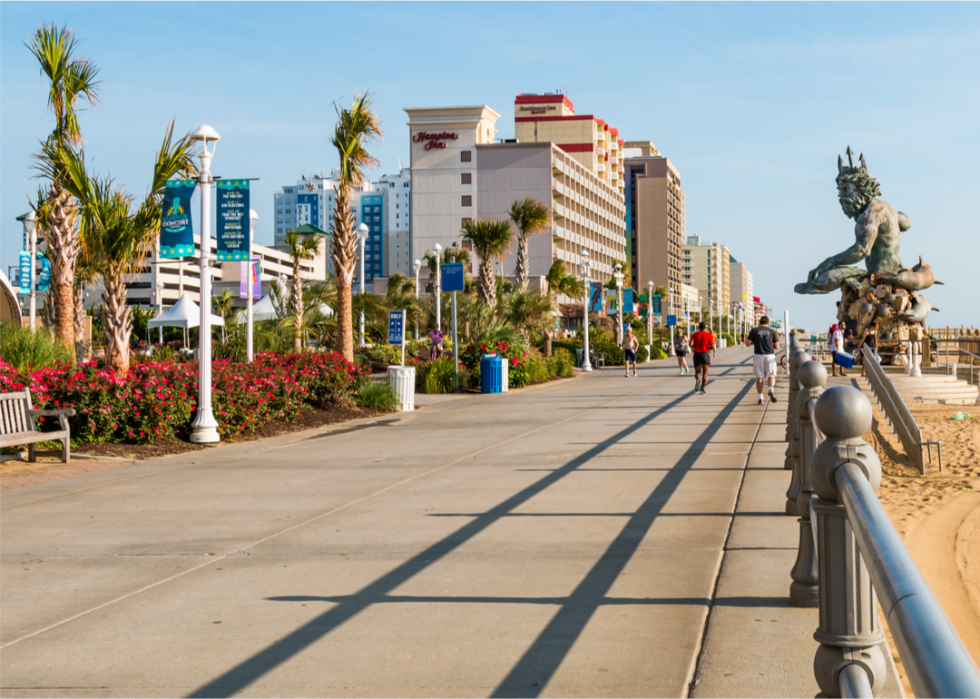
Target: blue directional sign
{"points": [[671, 321], [452, 276], [396, 327]]}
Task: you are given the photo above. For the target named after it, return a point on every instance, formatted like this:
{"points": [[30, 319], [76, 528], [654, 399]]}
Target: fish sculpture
{"points": [[831, 279], [919, 277], [918, 311]]}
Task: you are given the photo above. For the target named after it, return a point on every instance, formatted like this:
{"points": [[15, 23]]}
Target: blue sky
{"points": [[752, 102]]}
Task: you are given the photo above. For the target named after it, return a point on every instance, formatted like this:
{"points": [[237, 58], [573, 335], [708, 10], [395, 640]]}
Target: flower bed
{"points": [[159, 398]]}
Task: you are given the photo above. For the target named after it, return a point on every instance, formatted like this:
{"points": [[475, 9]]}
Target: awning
{"points": [[184, 314]]}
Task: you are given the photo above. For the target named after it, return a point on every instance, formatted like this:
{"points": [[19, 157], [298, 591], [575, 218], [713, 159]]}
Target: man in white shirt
{"points": [[836, 345]]}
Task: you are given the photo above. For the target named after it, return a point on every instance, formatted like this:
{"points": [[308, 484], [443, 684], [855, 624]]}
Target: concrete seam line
{"points": [[313, 519], [693, 670]]}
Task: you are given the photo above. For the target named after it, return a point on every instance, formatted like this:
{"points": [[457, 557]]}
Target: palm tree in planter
{"points": [[72, 80], [355, 126], [529, 217], [490, 240], [301, 247], [222, 307], [560, 282], [118, 237], [527, 310]]}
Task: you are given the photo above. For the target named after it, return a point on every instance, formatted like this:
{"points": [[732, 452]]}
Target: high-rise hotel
{"points": [[568, 162]]}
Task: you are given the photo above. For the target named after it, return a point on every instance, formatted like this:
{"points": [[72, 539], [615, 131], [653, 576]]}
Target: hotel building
{"points": [[460, 172], [707, 268], [654, 218], [311, 200], [742, 291]]}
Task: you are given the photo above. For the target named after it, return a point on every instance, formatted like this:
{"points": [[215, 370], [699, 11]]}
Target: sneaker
{"points": [[634, 374], [682, 372], [697, 386], [627, 374], [702, 391], [772, 396], [761, 401]]}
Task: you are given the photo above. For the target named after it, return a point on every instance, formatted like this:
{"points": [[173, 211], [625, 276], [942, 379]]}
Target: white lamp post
{"points": [[204, 428], [437, 249], [253, 221], [584, 267], [30, 230], [362, 236], [417, 266], [160, 287], [670, 312], [649, 318], [618, 276], [700, 312]]}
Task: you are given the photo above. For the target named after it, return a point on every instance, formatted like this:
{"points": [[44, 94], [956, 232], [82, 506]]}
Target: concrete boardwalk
{"points": [[563, 540]]}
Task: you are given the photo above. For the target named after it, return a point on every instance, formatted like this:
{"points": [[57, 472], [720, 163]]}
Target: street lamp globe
{"points": [[416, 266], [30, 220], [362, 231]]}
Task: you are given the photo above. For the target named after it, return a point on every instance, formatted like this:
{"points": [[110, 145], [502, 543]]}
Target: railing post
{"points": [[793, 450], [790, 349], [803, 590], [849, 632]]}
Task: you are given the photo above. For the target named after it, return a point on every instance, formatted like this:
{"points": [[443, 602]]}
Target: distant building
{"points": [[707, 268], [741, 285], [397, 244], [311, 200], [654, 218]]}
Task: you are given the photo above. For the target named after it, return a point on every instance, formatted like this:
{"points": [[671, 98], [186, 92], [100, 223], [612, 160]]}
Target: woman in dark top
{"points": [[870, 337]]}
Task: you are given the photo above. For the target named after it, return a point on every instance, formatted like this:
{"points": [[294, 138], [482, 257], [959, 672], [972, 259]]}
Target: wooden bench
{"points": [[17, 424]]}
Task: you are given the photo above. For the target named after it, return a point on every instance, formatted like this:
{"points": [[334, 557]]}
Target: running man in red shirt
{"points": [[702, 342]]}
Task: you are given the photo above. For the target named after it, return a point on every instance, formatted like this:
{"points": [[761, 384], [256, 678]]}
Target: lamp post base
{"points": [[204, 429]]}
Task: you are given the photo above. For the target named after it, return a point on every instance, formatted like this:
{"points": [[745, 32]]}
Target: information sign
{"points": [[176, 228], [671, 321], [452, 276], [233, 221], [396, 330], [26, 273], [657, 308]]}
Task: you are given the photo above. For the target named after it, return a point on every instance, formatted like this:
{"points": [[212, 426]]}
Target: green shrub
{"points": [[438, 376], [23, 349], [377, 395], [641, 353], [657, 352], [537, 368], [561, 363], [612, 352]]}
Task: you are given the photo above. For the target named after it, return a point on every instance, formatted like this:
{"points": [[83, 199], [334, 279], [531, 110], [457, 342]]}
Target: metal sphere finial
{"points": [[797, 359], [812, 374], [842, 412]]}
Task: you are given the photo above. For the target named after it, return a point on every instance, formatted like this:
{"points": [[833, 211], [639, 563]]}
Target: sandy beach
{"points": [[938, 514]]}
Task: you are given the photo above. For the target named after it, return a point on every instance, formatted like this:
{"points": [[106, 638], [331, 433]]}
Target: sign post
{"points": [[453, 280], [396, 330]]}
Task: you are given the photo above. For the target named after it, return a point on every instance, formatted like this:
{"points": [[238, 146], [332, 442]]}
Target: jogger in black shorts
{"points": [[702, 343]]}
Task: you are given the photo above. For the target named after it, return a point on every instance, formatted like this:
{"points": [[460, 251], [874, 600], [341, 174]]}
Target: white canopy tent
{"points": [[184, 314], [264, 309]]}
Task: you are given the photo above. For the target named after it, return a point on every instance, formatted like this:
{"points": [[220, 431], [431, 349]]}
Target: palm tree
{"points": [[529, 217], [527, 310], [116, 237], [560, 282], [72, 80], [354, 127], [491, 240], [301, 247], [222, 306]]}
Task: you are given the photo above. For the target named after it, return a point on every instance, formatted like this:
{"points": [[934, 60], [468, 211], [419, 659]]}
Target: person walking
{"points": [[702, 343], [870, 338], [836, 345], [765, 341], [680, 350], [435, 340], [630, 343], [714, 343]]}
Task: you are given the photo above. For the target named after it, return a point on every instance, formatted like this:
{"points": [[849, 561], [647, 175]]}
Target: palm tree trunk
{"points": [[297, 308], [79, 322], [60, 233], [488, 282], [546, 345], [343, 252], [116, 323], [523, 265]]}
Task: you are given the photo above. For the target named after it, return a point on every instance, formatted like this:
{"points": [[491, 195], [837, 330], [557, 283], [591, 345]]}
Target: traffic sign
{"points": [[396, 330], [671, 321], [452, 276]]}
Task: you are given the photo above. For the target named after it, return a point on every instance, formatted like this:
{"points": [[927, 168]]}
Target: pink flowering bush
{"points": [[159, 398]]}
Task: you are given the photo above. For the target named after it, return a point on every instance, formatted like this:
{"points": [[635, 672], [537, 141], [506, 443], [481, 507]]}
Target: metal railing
{"points": [[898, 414], [947, 348], [850, 555]]}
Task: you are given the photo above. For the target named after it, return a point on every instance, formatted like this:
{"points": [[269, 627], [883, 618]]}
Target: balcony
{"points": [[600, 151]]}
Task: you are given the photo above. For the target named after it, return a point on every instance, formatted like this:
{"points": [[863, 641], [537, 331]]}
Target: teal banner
{"points": [[176, 228], [44, 279], [26, 273], [233, 243]]}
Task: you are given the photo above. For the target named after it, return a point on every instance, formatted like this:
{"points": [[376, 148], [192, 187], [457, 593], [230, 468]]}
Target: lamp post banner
{"points": [[251, 275], [233, 200], [44, 279], [176, 227], [26, 273], [657, 306], [595, 297], [627, 301]]}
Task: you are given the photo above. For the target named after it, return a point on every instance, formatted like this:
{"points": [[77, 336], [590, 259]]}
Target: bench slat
{"points": [[10, 440]]}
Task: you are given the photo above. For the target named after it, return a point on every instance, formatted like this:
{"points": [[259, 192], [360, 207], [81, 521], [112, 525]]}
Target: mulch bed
{"points": [[311, 418]]}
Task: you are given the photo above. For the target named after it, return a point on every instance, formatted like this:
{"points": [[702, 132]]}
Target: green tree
{"points": [[116, 235], [72, 80], [490, 240], [222, 307], [529, 310], [529, 217], [560, 282], [301, 247], [355, 126]]}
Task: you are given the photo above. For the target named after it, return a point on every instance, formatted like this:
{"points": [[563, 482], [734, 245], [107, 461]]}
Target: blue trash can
{"points": [[491, 374]]}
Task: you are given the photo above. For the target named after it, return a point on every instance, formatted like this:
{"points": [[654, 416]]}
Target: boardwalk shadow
{"points": [[542, 659]]}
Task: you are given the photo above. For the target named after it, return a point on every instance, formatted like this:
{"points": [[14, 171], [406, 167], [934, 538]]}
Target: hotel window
{"points": [[466, 200], [466, 156], [466, 178], [464, 221]]}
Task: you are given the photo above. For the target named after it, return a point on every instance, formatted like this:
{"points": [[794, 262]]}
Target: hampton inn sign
{"points": [[434, 140]]}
